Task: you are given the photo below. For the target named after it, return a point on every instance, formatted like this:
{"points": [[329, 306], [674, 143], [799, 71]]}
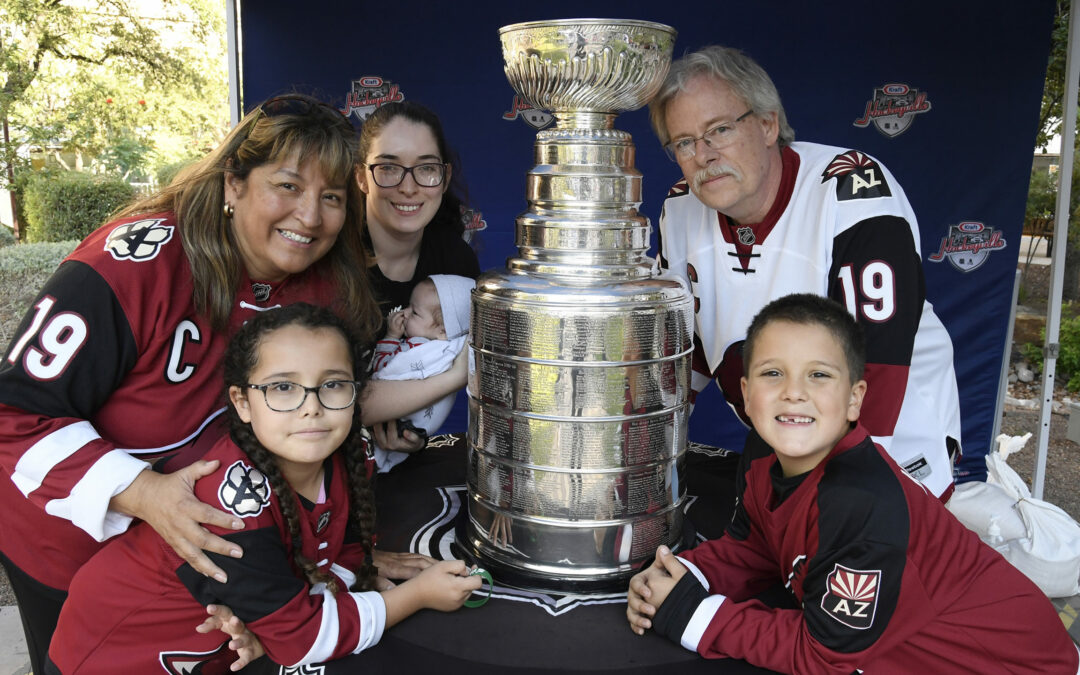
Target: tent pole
{"points": [[1061, 233], [1003, 378], [232, 30]]}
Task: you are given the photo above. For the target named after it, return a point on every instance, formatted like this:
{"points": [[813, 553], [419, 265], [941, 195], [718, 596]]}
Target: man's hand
{"points": [[400, 565], [168, 503], [242, 641], [649, 589]]}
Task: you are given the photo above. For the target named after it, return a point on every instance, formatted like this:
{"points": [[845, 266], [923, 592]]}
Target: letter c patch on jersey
{"points": [[857, 177], [851, 596], [245, 490]]}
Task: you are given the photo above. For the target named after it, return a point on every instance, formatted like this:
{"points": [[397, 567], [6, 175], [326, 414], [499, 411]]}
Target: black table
{"points": [[418, 510]]}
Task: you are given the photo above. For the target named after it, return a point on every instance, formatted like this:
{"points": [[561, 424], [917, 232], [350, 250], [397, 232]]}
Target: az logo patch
{"points": [[852, 596], [857, 177], [245, 490], [138, 241]]}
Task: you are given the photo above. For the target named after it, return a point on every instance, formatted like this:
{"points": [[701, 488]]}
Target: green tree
{"points": [[1042, 191], [121, 85]]}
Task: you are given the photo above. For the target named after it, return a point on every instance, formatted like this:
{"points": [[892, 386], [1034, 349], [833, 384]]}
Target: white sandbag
{"points": [[1048, 549], [981, 505], [1050, 554]]}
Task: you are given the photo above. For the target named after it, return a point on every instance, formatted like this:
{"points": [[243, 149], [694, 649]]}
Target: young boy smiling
{"points": [[883, 578]]}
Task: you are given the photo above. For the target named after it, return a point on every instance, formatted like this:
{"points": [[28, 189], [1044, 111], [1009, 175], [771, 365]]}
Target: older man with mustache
{"points": [[759, 216]]}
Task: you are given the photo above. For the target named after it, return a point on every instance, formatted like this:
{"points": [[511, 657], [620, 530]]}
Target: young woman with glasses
{"points": [[117, 362], [412, 213]]}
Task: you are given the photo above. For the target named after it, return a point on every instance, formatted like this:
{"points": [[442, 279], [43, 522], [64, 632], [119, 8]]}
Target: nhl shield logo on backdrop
{"points": [[852, 596], [893, 108], [968, 245]]}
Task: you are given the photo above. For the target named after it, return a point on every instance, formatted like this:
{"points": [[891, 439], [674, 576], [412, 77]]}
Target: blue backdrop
{"points": [[945, 94]]}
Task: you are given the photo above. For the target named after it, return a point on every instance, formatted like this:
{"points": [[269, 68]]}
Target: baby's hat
{"points": [[455, 297]]}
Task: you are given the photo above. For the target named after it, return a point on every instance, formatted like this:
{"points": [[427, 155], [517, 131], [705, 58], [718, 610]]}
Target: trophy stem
{"points": [[584, 120]]}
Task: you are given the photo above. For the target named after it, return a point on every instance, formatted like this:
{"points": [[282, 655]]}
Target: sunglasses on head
{"points": [[300, 104]]}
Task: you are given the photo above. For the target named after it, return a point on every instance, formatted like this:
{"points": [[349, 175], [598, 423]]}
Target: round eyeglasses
{"points": [[717, 138], [390, 175], [289, 396]]}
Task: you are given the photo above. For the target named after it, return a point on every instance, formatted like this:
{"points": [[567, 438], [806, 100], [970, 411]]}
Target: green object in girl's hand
{"points": [[479, 602]]}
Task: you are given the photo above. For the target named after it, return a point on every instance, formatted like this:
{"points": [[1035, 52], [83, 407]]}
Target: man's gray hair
{"points": [[746, 78]]}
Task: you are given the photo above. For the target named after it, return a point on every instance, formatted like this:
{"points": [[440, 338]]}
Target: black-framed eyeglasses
{"points": [[289, 396], [717, 138], [388, 174]]}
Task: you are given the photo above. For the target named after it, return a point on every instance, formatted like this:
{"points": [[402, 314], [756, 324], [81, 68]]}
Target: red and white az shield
{"points": [[851, 596]]}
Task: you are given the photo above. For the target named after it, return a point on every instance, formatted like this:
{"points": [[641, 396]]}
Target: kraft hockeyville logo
{"points": [[892, 108], [851, 596], [968, 245], [368, 94]]}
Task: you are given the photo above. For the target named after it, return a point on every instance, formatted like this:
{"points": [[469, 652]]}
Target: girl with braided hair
{"points": [[296, 469]]}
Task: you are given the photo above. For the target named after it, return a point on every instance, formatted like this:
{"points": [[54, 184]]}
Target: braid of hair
{"points": [[263, 460], [361, 503]]}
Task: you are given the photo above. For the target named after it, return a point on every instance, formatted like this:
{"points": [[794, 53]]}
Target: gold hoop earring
{"points": [[228, 209]]}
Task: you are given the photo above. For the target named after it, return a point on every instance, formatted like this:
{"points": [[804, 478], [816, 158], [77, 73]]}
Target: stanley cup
{"points": [[579, 352]]}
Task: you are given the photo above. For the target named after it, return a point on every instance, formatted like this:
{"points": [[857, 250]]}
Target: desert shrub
{"points": [[7, 237], [67, 205]]}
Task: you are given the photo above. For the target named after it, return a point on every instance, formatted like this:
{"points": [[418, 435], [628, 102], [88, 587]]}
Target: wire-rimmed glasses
{"points": [[717, 138]]}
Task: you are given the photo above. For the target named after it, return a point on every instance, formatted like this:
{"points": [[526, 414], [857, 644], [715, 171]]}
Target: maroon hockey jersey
{"points": [[888, 581], [134, 606], [111, 365]]}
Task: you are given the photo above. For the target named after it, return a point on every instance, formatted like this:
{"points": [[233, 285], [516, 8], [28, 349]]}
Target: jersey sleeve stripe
{"points": [[700, 621], [322, 647], [41, 457], [87, 506], [372, 611], [347, 577]]}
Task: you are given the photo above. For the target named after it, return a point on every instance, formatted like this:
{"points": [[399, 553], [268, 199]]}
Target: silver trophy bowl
{"points": [[579, 351], [586, 65]]}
